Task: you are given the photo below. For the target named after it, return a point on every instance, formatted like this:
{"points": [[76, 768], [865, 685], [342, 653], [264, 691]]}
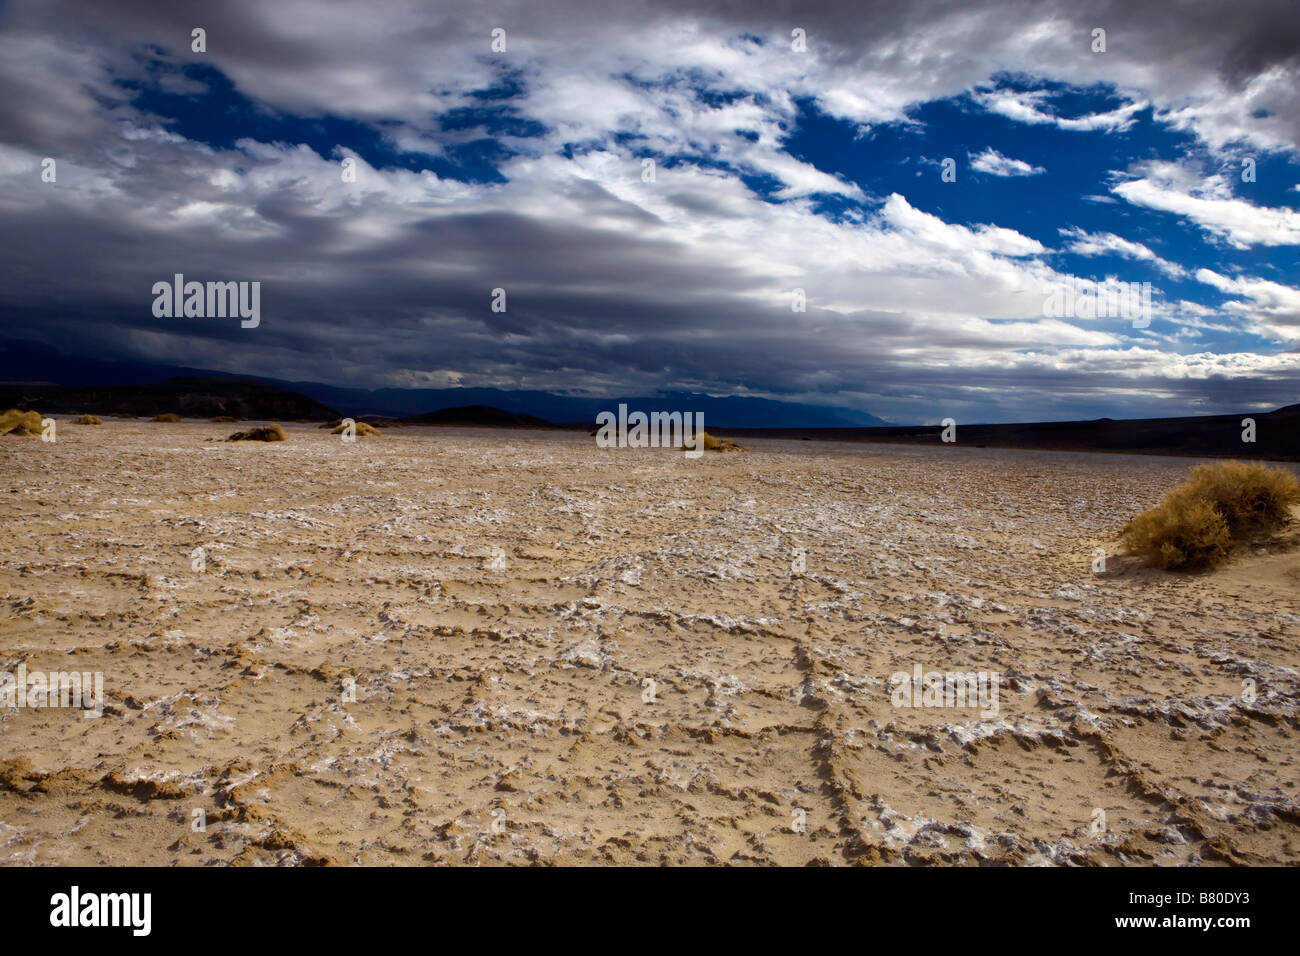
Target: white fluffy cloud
{"points": [[1029, 107], [1084, 243], [1208, 202], [995, 164], [1273, 308]]}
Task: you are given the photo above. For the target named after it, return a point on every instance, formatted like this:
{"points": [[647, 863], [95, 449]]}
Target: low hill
{"points": [[23, 360], [188, 396], [1277, 435]]}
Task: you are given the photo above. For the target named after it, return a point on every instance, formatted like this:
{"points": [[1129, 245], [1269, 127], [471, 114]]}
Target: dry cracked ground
{"points": [[565, 654]]}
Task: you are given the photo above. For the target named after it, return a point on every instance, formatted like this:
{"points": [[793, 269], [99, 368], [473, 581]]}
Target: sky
{"points": [[864, 205]]}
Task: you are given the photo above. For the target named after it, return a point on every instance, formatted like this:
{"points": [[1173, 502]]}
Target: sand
{"points": [[504, 599]]}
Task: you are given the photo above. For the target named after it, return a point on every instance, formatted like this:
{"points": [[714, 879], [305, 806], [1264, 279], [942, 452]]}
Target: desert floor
{"points": [[564, 654]]}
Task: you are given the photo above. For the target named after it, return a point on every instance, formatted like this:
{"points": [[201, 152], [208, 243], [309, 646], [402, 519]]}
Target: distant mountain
{"points": [[27, 362], [187, 396], [484, 416], [738, 412], [1277, 435], [43, 379], [32, 362]]}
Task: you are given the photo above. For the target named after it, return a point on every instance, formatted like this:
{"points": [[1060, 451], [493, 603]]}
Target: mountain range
{"points": [[44, 379], [32, 363]]}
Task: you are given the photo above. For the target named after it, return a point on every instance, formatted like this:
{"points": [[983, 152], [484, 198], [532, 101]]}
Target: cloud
{"points": [[1273, 308], [995, 164], [1208, 202], [1027, 107], [1107, 243], [616, 283]]}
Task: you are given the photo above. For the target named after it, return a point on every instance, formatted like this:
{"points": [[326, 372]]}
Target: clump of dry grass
{"points": [[362, 428], [170, 417], [224, 418], [90, 420], [264, 433], [14, 422], [715, 444], [1197, 523]]}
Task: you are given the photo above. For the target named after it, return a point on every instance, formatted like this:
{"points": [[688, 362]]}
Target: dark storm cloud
{"points": [[611, 283]]}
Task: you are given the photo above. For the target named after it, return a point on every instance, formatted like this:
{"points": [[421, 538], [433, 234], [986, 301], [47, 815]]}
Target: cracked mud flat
{"points": [[499, 716]]}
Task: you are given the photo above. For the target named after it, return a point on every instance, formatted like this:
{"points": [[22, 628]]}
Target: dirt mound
{"points": [[264, 433]]}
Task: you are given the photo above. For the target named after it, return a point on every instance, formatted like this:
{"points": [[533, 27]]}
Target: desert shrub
{"points": [[715, 444], [1253, 497], [224, 418], [90, 420], [362, 429], [263, 433], [14, 422], [1198, 522], [1182, 532], [720, 444], [336, 425], [166, 417]]}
